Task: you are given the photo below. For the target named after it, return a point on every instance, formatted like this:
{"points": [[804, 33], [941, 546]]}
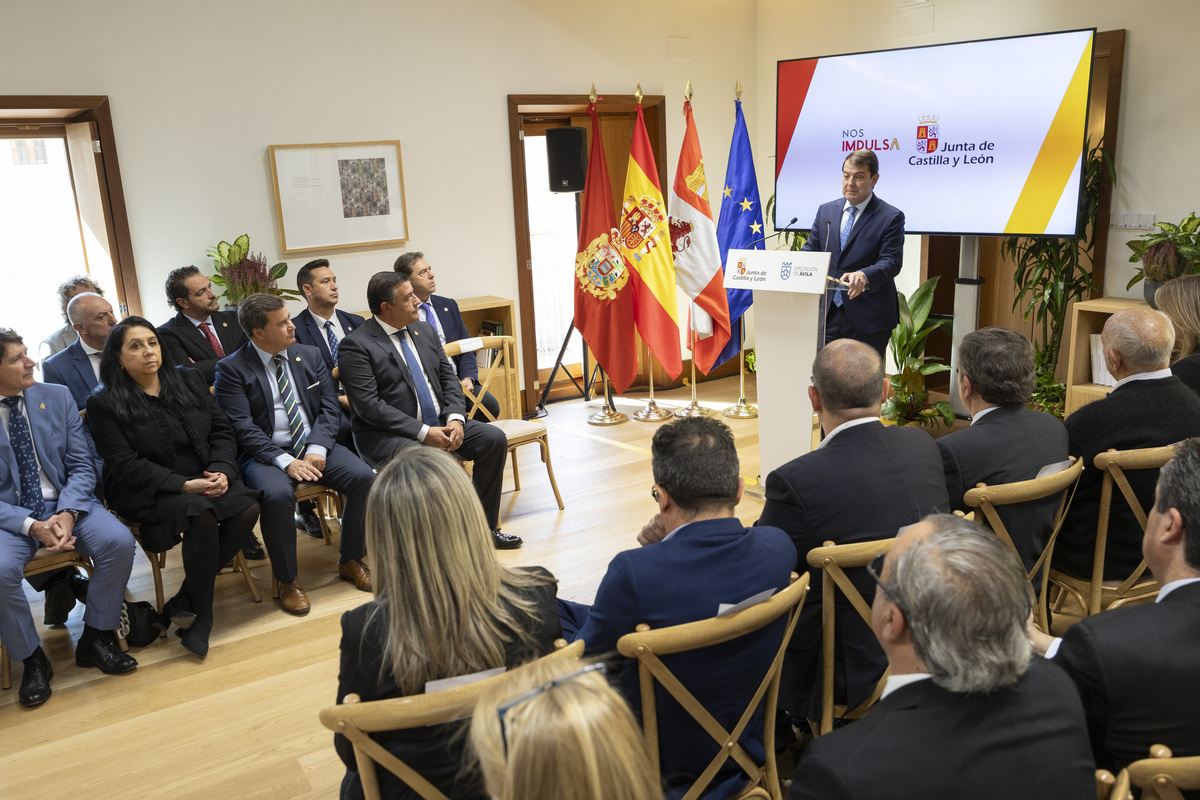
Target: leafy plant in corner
{"points": [[909, 401], [1049, 273], [242, 273], [1167, 253]]}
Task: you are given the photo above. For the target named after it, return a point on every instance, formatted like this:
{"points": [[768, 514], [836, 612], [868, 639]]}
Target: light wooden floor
{"points": [[243, 723]]}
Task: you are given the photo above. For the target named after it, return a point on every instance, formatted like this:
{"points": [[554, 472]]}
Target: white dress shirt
{"points": [[338, 332], [93, 357]]}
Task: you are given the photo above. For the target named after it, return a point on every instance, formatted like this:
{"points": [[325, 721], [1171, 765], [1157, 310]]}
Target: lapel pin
{"points": [[42, 406], [297, 358], [224, 324]]}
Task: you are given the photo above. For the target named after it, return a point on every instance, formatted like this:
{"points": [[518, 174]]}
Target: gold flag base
{"points": [[652, 413], [742, 410], [693, 409], [608, 414]]}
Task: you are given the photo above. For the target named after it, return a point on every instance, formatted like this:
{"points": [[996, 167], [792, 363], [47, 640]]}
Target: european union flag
{"points": [[740, 225]]}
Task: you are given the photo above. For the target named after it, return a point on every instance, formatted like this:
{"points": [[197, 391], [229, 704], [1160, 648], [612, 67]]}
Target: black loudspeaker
{"points": [[566, 151]]}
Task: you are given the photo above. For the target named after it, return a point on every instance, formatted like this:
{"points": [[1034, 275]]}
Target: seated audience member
{"points": [[443, 314], [444, 607], [46, 501], [965, 712], [1135, 667], [322, 326], [696, 555], [78, 366], [1148, 407], [403, 393], [170, 465], [863, 482], [281, 402], [566, 735], [200, 335], [62, 338], [1006, 442], [1179, 299]]}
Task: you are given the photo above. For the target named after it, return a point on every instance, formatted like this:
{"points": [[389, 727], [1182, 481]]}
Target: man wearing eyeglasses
{"points": [[696, 556], [965, 712]]}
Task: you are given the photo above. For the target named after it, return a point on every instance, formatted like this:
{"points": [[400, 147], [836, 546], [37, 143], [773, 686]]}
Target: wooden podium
{"points": [[788, 288]]}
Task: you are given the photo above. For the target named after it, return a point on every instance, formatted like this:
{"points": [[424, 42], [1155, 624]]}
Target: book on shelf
{"points": [[489, 327], [1100, 373]]}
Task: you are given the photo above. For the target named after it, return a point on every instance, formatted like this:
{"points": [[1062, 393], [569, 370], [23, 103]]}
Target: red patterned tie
{"points": [[212, 339]]}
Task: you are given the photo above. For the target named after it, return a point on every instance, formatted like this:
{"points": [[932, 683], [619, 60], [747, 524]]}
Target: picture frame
{"points": [[338, 195]]}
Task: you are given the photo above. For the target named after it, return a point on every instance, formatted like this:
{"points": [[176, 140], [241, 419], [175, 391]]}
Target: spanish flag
{"points": [[603, 298], [646, 245]]}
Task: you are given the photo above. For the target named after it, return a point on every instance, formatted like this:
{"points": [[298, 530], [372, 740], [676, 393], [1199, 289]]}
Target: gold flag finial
{"points": [[593, 95], [687, 93], [638, 93], [737, 93]]}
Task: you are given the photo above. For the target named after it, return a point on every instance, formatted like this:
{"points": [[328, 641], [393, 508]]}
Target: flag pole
{"points": [[608, 414], [651, 413], [693, 409], [742, 410]]}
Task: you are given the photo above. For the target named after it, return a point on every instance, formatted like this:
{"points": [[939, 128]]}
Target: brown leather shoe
{"points": [[293, 599], [356, 572]]}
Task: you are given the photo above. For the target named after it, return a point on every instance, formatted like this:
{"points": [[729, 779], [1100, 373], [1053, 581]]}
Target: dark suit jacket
{"points": [[73, 369], [435, 751], [186, 346], [922, 742], [308, 333], [454, 328], [380, 387], [244, 392], [1138, 414], [876, 248], [681, 580], [1187, 369], [1136, 670], [1006, 445], [866, 483]]}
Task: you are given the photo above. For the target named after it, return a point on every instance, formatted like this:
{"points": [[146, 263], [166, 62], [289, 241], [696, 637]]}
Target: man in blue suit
{"points": [[46, 501], [443, 314], [78, 366], [696, 556], [865, 237], [280, 399]]}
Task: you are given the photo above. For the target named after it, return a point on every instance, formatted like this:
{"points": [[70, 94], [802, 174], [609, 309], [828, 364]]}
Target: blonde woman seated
{"points": [[444, 607], [1179, 299], [555, 731]]}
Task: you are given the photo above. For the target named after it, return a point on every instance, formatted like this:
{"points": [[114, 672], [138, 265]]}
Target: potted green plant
{"points": [[1050, 273], [1167, 253], [241, 273], [909, 401]]}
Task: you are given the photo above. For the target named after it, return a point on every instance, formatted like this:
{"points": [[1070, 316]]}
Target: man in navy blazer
{"points": [[280, 399], [443, 314], [865, 237], [696, 556], [46, 485], [78, 366]]}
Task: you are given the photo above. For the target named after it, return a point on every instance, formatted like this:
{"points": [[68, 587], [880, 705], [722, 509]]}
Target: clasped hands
{"points": [[213, 484], [55, 534], [449, 437], [308, 468]]}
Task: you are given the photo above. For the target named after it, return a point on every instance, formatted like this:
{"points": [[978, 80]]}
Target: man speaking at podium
{"points": [[865, 239]]}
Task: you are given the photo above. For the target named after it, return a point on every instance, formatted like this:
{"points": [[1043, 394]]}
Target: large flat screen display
{"points": [[973, 138]]}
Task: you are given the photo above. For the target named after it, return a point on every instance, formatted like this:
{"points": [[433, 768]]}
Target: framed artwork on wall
{"points": [[349, 194]]}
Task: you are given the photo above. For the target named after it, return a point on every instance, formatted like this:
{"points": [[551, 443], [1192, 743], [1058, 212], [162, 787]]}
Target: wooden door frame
{"points": [[59, 110], [522, 107]]}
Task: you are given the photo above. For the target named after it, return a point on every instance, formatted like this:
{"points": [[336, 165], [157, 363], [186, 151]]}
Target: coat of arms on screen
{"points": [[643, 224], [600, 269], [927, 134]]}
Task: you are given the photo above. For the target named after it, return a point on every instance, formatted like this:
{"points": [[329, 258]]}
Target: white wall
{"points": [[1160, 105], [199, 90]]}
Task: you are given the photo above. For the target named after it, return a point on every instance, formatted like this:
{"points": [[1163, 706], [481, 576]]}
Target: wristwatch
{"points": [[76, 514]]}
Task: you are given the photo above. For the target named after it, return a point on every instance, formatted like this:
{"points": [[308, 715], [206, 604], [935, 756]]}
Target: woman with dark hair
{"points": [[170, 464]]}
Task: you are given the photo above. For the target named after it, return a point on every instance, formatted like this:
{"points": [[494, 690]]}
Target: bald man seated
{"points": [[1149, 407]]}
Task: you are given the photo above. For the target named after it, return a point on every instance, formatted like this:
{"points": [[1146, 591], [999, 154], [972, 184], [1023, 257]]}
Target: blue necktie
{"points": [[27, 468], [838, 295], [431, 318], [424, 398], [295, 421], [332, 339]]}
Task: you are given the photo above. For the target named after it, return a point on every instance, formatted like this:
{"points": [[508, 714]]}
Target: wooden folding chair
{"points": [[833, 561], [330, 505], [357, 720], [1160, 777], [519, 431], [1097, 594], [647, 646], [986, 498]]}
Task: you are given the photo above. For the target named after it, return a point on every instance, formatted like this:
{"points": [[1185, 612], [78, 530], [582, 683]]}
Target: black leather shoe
{"points": [[100, 650], [308, 522], [35, 683], [79, 586], [253, 549], [504, 541], [60, 599]]}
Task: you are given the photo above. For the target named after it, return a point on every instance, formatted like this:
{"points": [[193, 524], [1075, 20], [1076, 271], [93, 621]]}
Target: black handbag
{"points": [[137, 623]]}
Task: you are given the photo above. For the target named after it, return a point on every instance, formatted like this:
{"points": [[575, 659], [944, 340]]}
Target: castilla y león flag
{"points": [[694, 247], [603, 301], [646, 244]]}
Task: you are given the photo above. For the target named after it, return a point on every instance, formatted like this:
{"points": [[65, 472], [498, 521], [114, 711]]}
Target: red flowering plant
{"points": [[242, 273]]}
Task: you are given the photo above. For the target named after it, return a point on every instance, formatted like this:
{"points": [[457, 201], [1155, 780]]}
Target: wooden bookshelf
{"points": [[1088, 317], [497, 309]]}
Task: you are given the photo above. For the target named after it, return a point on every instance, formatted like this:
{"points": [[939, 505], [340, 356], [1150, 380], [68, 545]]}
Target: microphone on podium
{"points": [[791, 222]]}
